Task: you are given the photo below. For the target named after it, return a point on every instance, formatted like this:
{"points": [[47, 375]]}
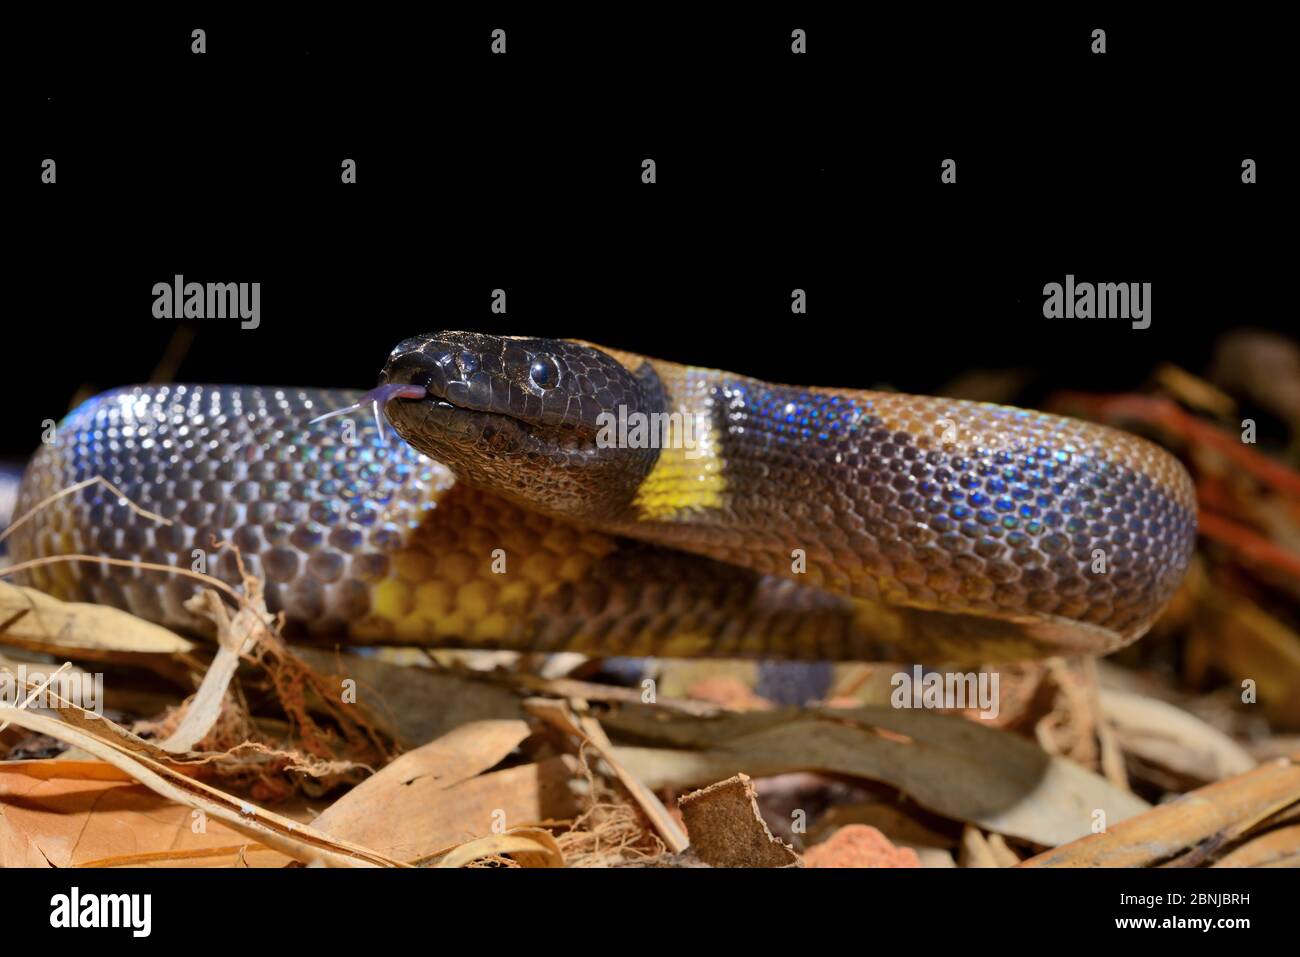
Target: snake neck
{"points": [[932, 503], [753, 473]]}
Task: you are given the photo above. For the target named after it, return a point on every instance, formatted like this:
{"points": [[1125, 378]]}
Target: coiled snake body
{"points": [[749, 519]]}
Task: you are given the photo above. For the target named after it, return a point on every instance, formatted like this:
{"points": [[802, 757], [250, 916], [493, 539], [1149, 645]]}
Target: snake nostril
{"points": [[414, 368]]}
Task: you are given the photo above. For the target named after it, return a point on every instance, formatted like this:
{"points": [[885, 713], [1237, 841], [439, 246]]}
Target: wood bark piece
{"points": [[1218, 811], [1280, 848], [727, 830]]}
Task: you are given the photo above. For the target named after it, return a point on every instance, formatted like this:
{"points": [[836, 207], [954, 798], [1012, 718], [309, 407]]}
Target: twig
{"points": [[98, 479]]}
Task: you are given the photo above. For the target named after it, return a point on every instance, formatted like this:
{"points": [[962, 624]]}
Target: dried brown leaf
{"points": [[86, 813], [428, 819], [106, 741]]}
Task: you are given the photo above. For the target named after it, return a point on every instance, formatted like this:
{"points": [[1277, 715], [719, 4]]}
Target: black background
{"points": [[522, 172], [924, 911]]}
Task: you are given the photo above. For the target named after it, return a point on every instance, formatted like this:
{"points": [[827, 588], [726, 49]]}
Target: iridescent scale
{"points": [[315, 510], [939, 503]]}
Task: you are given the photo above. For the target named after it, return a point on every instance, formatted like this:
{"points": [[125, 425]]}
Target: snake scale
{"points": [[772, 521]]}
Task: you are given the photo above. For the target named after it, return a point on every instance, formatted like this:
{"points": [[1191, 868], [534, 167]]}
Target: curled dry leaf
{"points": [[527, 847]]}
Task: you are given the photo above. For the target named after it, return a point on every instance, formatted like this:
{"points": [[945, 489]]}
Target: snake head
{"points": [[523, 417]]}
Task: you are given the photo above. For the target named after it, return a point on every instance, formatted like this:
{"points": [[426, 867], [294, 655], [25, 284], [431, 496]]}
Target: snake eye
{"points": [[544, 373]]}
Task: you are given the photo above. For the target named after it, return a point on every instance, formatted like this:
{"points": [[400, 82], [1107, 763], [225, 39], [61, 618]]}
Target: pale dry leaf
{"points": [[1006, 857], [1165, 735], [392, 806], [974, 850], [78, 630], [947, 764]]}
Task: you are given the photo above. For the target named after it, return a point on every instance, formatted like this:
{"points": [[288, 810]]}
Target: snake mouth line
{"points": [[503, 432]]}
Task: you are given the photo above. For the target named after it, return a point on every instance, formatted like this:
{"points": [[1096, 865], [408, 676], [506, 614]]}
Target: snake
{"points": [[547, 495]]}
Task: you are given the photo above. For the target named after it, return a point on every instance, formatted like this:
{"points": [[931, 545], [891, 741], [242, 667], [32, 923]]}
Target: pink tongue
{"points": [[378, 397], [383, 394]]}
